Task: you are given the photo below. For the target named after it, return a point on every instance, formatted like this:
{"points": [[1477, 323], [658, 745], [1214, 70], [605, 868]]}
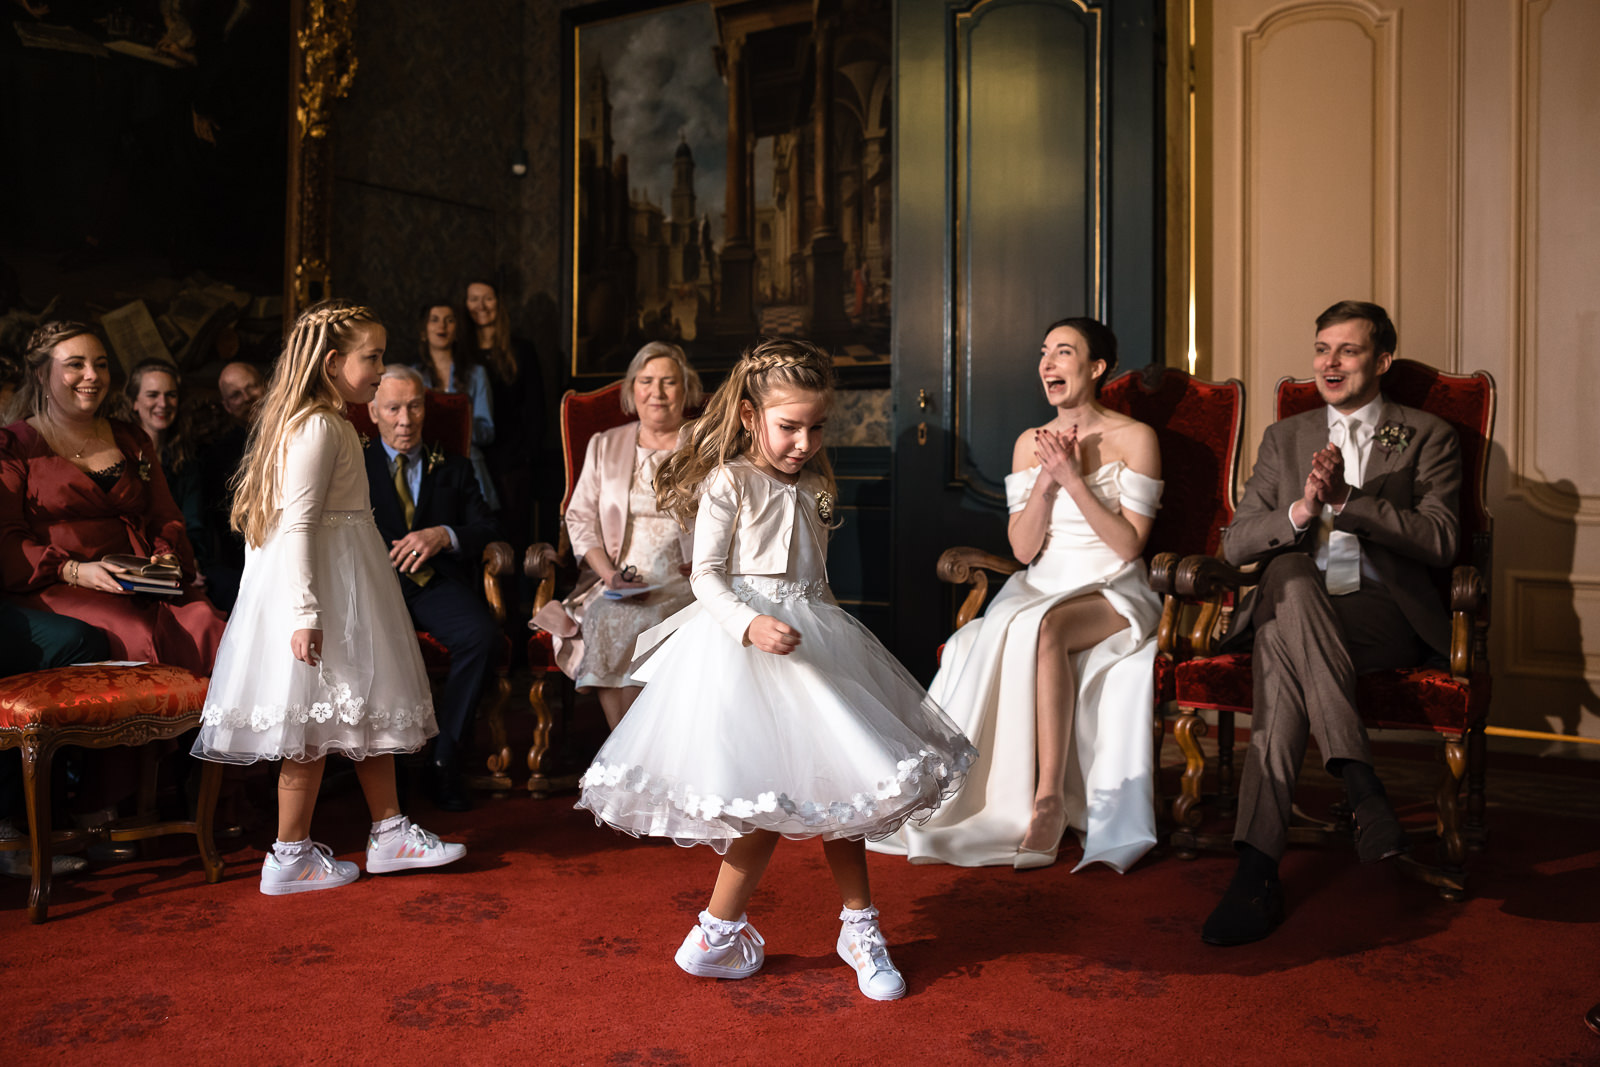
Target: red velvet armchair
{"points": [[582, 416], [447, 423], [1198, 424], [1451, 702]]}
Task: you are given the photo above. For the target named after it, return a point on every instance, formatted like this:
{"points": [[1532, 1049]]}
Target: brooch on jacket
{"points": [[1393, 437], [144, 469], [825, 506], [432, 456]]}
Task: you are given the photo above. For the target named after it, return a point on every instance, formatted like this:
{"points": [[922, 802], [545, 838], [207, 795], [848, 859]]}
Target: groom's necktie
{"points": [[408, 510], [1344, 549]]}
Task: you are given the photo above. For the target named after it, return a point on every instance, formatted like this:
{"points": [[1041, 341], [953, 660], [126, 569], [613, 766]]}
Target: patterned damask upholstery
{"points": [[101, 706], [97, 696]]}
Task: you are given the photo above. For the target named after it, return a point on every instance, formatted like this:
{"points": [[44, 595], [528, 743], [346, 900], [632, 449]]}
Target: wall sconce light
{"points": [[519, 162]]}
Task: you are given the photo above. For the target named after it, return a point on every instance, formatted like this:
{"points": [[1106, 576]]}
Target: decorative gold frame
{"points": [[323, 67]]}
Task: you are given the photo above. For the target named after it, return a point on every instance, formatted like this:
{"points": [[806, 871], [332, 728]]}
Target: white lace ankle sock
{"points": [[386, 830], [290, 851], [721, 929], [860, 919]]}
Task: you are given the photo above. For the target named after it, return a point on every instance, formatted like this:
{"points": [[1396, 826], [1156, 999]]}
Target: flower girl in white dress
{"points": [[769, 712], [319, 655], [1057, 673]]}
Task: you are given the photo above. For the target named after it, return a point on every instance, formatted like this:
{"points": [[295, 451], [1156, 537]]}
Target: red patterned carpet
{"points": [[553, 942]]}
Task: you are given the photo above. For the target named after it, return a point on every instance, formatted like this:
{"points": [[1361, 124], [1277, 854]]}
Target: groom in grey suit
{"points": [[1348, 508]]}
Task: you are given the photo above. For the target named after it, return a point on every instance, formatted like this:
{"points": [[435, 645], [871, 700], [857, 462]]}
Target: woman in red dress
{"points": [[76, 487]]}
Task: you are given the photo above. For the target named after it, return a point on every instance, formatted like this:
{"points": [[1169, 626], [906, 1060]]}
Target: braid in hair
{"points": [[718, 436], [299, 387]]}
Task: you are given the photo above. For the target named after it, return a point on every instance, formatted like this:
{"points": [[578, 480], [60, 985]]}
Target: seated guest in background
{"points": [[449, 366], [1349, 506], [1057, 672], [77, 487], [241, 387], [623, 540], [433, 516], [35, 641], [516, 393], [153, 395]]}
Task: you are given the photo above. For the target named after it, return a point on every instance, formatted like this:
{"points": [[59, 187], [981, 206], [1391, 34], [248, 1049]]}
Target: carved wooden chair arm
{"points": [[1468, 619], [1193, 609], [963, 565], [540, 563], [497, 559], [1209, 577]]}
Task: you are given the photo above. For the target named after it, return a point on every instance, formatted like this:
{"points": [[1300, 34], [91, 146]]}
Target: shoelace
{"points": [[421, 838], [323, 855], [877, 949]]}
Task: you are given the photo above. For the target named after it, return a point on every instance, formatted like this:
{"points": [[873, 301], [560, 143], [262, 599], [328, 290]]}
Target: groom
{"points": [[1349, 507]]}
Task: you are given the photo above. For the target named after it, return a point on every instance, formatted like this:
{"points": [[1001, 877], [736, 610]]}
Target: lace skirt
{"points": [[835, 740], [369, 695]]}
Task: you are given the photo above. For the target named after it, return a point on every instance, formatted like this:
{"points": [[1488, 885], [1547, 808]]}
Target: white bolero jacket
{"points": [[746, 524]]}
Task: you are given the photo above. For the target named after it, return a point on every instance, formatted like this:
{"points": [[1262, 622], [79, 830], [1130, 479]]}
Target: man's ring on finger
{"points": [[413, 552]]}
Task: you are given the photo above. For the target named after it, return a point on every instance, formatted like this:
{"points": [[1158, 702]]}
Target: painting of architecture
{"points": [[731, 177]]}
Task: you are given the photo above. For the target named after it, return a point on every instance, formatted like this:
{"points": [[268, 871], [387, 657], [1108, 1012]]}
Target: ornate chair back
{"points": [[1467, 403], [1198, 424], [582, 416]]}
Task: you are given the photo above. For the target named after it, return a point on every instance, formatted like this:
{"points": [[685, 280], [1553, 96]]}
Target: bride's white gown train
{"points": [[986, 684]]}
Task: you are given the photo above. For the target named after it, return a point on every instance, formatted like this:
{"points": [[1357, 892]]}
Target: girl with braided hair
{"points": [[319, 655], [768, 711]]}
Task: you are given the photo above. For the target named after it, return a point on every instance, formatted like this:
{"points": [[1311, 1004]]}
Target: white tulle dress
{"points": [[835, 739], [986, 681], [324, 566]]}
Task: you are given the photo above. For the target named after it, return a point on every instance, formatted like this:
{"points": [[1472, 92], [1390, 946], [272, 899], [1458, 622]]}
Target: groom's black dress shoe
{"points": [[1379, 835], [1251, 909]]}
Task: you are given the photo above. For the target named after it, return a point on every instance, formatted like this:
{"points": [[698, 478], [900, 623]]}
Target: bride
{"points": [[1056, 675]]}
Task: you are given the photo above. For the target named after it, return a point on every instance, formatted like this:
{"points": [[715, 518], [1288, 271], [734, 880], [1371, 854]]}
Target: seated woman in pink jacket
{"points": [[624, 542]]}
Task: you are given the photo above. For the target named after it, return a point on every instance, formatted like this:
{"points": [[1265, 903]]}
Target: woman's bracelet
{"points": [[72, 575]]}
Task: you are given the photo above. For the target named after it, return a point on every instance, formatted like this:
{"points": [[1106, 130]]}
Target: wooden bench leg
{"points": [[1188, 731], [1447, 801], [499, 759], [37, 754], [539, 752]]}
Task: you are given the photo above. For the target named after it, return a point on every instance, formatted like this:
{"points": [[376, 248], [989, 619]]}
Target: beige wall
{"points": [[1441, 157]]}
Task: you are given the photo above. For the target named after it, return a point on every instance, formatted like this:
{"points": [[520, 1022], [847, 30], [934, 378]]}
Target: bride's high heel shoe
{"points": [[1029, 859]]}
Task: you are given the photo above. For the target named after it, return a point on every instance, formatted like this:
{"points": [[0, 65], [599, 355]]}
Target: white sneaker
{"points": [[710, 955], [19, 864], [314, 868], [861, 945], [410, 850]]}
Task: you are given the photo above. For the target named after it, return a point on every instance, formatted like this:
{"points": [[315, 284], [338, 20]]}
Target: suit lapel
{"points": [[424, 493], [380, 484], [1380, 460]]}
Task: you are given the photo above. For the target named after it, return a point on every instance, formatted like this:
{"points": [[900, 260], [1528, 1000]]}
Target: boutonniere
{"points": [[825, 506], [1393, 437], [432, 456]]}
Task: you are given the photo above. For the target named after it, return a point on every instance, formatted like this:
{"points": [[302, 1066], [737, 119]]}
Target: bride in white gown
{"points": [[1053, 684]]}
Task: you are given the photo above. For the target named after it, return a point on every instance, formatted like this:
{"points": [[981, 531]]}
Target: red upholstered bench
{"points": [[100, 706]]}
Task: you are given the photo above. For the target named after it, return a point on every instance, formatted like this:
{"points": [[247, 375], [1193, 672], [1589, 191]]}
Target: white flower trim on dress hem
{"points": [[341, 703], [862, 815]]}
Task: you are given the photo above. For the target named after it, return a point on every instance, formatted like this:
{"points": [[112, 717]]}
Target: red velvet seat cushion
{"points": [[542, 652], [94, 695], [1415, 698], [436, 658], [1166, 680]]}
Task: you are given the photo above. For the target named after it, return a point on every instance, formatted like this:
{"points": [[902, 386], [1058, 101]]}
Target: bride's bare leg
{"points": [[616, 702], [1069, 627], [746, 861]]}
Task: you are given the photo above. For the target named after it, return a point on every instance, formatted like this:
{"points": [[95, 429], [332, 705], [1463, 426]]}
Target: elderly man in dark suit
{"points": [[1348, 508], [433, 516]]}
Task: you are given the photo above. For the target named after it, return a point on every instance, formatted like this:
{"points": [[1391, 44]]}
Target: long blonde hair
{"points": [[300, 386], [718, 436]]}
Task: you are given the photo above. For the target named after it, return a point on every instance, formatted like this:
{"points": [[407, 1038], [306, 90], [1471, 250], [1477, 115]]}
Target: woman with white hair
{"points": [[629, 549]]}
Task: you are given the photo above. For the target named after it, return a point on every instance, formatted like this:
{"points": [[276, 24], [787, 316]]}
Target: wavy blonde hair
{"points": [[718, 435], [299, 387]]}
